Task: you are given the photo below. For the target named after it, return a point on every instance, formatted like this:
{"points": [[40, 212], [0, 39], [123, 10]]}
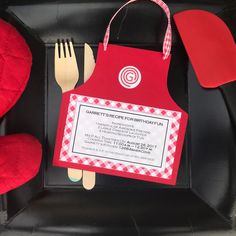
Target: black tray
{"points": [[202, 202]]}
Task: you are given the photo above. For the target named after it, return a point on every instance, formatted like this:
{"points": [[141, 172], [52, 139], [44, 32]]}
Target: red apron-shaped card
{"points": [[123, 121]]}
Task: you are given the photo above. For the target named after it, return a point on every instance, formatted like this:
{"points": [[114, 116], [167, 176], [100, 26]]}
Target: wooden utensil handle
{"points": [[89, 179], [74, 175]]}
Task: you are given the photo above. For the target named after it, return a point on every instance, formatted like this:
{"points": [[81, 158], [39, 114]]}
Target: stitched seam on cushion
{"points": [[1, 73], [11, 90], [21, 58]]}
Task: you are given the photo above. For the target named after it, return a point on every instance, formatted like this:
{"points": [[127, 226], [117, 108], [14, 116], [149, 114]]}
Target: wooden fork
{"points": [[67, 75]]}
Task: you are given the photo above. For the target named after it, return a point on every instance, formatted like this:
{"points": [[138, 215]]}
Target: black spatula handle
{"points": [[229, 94]]}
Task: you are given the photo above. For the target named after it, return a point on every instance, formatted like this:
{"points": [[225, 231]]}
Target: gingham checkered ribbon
{"points": [[164, 173], [168, 35]]}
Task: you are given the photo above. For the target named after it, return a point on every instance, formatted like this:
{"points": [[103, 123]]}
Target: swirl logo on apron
{"points": [[130, 77]]}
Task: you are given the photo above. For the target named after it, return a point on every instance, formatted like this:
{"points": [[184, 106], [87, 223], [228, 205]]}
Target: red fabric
{"points": [[20, 158], [15, 65], [152, 91], [210, 46]]}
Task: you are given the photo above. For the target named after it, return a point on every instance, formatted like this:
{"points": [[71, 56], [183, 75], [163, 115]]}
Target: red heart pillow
{"points": [[15, 66], [20, 158]]}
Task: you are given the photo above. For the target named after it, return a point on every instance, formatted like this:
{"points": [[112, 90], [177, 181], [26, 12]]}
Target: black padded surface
{"points": [[202, 202], [114, 213]]}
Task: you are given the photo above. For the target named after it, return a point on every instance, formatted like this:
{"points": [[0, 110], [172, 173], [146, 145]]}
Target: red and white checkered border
{"points": [[165, 173]]}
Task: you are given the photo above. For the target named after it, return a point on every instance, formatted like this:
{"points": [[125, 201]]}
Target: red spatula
{"points": [[212, 52]]}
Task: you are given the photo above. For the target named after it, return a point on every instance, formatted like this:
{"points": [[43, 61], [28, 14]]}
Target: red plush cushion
{"points": [[20, 158], [15, 65]]}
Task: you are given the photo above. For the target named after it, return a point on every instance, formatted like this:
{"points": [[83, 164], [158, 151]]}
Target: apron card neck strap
{"points": [[168, 35]]}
